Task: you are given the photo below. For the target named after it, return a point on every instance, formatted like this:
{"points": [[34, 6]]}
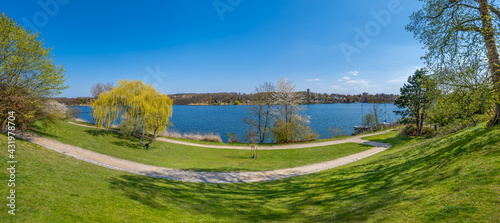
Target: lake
{"points": [[229, 119]]}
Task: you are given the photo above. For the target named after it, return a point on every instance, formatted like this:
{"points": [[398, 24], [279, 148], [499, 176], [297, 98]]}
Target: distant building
{"points": [[308, 95]]}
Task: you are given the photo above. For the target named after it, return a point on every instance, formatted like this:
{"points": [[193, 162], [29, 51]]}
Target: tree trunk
{"points": [[488, 34], [147, 144], [417, 121], [422, 117]]}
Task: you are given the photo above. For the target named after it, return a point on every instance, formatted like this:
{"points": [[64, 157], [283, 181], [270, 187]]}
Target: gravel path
{"points": [[355, 139], [208, 177]]}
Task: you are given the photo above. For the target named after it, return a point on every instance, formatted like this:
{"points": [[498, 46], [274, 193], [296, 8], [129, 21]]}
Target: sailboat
{"points": [[385, 121], [360, 128]]}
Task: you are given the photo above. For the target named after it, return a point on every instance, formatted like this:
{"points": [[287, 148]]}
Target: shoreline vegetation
{"points": [[233, 98]]}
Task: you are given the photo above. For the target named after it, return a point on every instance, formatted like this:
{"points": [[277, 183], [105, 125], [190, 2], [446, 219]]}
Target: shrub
{"points": [[411, 130], [459, 124], [297, 130], [408, 130], [332, 131], [232, 138]]}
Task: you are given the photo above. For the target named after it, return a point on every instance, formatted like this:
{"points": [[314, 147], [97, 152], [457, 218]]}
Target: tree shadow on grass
{"points": [[348, 194], [48, 135], [129, 144], [124, 140], [98, 132], [41, 131]]}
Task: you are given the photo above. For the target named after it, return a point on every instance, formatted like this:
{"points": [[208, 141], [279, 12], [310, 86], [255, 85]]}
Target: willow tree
{"points": [[149, 111], [456, 31]]}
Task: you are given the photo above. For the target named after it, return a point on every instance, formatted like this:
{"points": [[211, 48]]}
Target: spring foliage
{"points": [[139, 104], [461, 33], [28, 74]]}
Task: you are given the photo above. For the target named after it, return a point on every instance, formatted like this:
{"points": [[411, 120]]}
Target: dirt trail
{"points": [[354, 139], [208, 177]]}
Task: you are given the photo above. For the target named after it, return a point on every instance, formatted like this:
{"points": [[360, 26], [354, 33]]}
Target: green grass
{"points": [[393, 139], [447, 179], [232, 144], [263, 144], [190, 157]]}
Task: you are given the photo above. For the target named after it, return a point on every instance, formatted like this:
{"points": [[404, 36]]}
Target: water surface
{"points": [[229, 119]]}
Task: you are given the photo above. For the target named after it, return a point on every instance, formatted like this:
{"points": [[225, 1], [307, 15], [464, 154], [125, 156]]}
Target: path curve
{"points": [[354, 139], [195, 176]]}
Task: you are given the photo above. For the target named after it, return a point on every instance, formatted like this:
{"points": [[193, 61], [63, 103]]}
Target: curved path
{"points": [[205, 177], [354, 139]]}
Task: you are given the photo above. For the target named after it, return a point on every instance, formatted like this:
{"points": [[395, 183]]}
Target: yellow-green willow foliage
{"points": [[136, 102]]}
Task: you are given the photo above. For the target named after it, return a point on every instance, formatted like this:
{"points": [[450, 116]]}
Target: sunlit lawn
{"points": [[190, 157], [448, 179]]}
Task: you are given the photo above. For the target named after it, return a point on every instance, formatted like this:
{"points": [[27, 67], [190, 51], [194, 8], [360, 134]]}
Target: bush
{"points": [[459, 124], [297, 130], [408, 130], [411, 130], [232, 138]]}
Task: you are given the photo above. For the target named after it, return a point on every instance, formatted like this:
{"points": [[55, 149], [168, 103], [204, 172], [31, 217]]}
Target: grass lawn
{"points": [[189, 157], [447, 179], [249, 144], [233, 144]]}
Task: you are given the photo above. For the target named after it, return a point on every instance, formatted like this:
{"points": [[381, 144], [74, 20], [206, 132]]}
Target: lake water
{"points": [[229, 119]]}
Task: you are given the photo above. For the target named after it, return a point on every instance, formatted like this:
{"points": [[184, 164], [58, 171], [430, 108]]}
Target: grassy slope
{"points": [[449, 179], [193, 158]]}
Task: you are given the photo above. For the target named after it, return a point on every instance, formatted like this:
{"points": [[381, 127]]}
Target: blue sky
{"points": [[329, 46]]}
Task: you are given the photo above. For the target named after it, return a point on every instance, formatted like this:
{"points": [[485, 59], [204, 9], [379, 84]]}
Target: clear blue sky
{"points": [[192, 46]]}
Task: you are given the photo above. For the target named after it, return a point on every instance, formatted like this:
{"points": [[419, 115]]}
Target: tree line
{"points": [[306, 98]]}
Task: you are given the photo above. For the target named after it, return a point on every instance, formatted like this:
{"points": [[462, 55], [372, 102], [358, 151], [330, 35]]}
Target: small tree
{"points": [[99, 88], [332, 131], [415, 98], [260, 113], [145, 109], [370, 121], [290, 124], [377, 112]]}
